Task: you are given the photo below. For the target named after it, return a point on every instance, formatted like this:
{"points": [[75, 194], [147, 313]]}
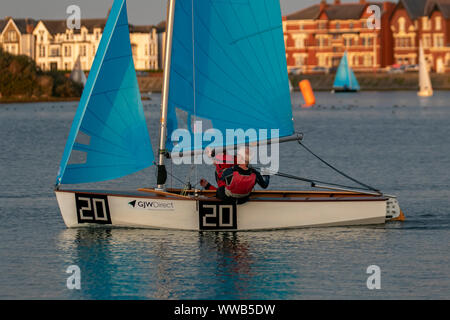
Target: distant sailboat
{"points": [[77, 74], [425, 89], [345, 80]]}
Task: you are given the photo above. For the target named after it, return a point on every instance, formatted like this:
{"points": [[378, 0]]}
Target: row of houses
{"points": [[54, 46], [319, 35]]}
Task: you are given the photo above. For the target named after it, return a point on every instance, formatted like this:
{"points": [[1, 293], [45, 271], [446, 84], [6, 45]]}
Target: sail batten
{"points": [[110, 112], [228, 66]]}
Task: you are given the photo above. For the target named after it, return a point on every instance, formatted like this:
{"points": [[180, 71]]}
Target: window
{"points": [[54, 52], [12, 36], [438, 22], [83, 51], [426, 25], [338, 25], [438, 40], [426, 41], [67, 51], [42, 51], [350, 25], [401, 24]]}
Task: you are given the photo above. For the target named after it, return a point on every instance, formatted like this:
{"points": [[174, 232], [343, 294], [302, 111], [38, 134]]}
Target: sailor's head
{"points": [[244, 155]]}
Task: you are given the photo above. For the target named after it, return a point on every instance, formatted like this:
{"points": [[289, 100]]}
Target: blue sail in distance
{"points": [[110, 115], [345, 78], [228, 67]]}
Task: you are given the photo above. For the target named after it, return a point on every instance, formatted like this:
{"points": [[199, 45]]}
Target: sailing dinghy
{"points": [[345, 80], [77, 75], [425, 88], [215, 49]]}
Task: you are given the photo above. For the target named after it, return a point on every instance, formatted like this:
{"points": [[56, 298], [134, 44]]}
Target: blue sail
{"points": [[228, 67], [110, 115], [345, 78]]}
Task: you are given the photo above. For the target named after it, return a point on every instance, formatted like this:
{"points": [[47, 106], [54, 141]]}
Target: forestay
{"points": [[110, 114], [228, 68]]}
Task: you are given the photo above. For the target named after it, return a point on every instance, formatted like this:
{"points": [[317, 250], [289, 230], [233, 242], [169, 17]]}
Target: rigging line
{"points": [[337, 170], [314, 182], [261, 95], [194, 80]]}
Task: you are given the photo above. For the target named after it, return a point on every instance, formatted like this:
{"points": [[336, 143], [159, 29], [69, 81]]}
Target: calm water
{"points": [[394, 141]]}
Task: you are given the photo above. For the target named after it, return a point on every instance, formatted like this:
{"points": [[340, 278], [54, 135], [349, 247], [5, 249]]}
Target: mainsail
{"points": [[228, 67], [345, 78], [110, 114]]}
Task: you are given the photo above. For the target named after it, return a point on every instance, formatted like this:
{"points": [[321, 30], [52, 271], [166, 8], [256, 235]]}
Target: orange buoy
{"points": [[307, 92]]}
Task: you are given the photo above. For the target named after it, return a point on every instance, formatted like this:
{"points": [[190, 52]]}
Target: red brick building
{"points": [[427, 21], [320, 34]]}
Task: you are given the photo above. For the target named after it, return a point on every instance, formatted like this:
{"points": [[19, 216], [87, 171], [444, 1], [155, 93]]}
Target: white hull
{"points": [[206, 213]]}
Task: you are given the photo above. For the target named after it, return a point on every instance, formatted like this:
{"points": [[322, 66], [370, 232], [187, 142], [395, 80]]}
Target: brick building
{"points": [[320, 34], [427, 21]]}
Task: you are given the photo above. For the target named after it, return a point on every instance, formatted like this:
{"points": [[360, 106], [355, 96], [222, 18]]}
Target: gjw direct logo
{"points": [[151, 205]]}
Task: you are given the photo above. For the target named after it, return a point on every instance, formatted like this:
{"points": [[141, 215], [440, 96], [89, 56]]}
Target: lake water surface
{"points": [[394, 141]]}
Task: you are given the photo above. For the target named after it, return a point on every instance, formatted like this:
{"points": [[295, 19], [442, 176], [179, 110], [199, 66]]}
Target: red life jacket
{"points": [[241, 185], [223, 162]]}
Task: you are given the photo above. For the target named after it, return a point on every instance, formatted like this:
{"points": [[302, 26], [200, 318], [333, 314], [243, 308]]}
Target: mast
{"points": [[162, 173]]}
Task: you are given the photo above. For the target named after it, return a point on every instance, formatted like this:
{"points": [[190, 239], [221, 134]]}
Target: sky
{"points": [[140, 12]]}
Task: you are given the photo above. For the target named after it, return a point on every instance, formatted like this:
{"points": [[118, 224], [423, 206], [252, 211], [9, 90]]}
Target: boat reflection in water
{"points": [[156, 264]]}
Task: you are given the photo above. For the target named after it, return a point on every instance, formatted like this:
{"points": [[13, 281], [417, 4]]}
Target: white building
{"points": [[58, 48], [16, 36]]}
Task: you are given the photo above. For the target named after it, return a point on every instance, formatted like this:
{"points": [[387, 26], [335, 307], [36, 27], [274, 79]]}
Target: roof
{"points": [[60, 26], [141, 29], [2, 25], [442, 5], [161, 27], [415, 8], [344, 11], [25, 25], [309, 13]]}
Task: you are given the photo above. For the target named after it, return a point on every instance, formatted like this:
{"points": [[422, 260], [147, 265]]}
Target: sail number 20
{"points": [[92, 208], [215, 216]]}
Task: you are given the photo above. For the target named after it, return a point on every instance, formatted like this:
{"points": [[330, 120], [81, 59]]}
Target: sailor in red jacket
{"points": [[222, 161], [240, 180]]}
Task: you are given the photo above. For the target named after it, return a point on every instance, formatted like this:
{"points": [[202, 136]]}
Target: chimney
{"points": [[323, 5], [337, 2], [30, 28], [362, 1]]}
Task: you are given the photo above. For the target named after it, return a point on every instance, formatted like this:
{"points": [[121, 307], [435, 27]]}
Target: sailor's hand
{"points": [[267, 172], [209, 152], [203, 183]]}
